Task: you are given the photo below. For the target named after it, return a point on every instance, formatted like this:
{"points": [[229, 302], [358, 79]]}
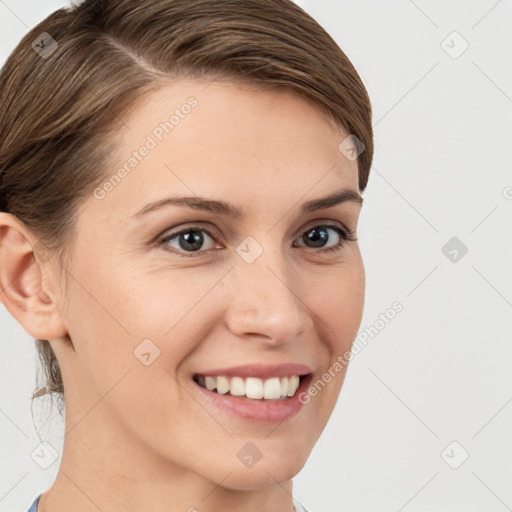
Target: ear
{"points": [[22, 288]]}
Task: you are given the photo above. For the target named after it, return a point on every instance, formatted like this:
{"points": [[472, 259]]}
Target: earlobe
{"points": [[21, 282]]}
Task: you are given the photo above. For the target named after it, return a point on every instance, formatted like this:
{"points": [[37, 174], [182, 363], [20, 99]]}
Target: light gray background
{"points": [[440, 371]]}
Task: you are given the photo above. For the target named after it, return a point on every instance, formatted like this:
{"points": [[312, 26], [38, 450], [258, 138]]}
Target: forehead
{"points": [[233, 114], [226, 139]]}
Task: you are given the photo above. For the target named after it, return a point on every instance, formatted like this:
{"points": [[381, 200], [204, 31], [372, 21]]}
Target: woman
{"points": [[180, 189]]}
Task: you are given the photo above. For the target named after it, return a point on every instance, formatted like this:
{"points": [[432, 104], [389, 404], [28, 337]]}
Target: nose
{"points": [[265, 302]]}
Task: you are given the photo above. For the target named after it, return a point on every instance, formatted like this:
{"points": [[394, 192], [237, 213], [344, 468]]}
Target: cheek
{"points": [[123, 354], [338, 308], [137, 321], [339, 303], [157, 302]]}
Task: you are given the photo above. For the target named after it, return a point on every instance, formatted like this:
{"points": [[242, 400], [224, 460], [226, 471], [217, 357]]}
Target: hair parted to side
{"points": [[57, 112]]}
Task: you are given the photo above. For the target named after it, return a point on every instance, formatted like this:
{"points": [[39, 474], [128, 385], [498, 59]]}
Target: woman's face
{"points": [[244, 295]]}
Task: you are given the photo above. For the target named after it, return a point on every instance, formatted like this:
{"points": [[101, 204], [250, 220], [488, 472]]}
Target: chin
{"points": [[269, 471], [261, 477]]}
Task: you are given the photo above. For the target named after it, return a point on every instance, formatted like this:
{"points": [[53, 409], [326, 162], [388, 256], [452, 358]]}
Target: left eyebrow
{"points": [[341, 196], [230, 210]]}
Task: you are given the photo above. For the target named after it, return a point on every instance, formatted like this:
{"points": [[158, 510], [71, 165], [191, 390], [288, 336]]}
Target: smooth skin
{"points": [[141, 437]]}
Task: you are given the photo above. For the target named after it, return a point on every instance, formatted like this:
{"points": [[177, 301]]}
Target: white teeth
{"points": [[222, 385], [253, 387], [272, 388], [284, 386], [293, 384], [210, 383], [237, 387]]}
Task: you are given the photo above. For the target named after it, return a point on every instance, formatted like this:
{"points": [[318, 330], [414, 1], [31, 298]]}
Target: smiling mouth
{"points": [[272, 389]]}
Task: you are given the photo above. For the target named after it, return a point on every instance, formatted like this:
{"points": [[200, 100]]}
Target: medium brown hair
{"points": [[58, 110]]}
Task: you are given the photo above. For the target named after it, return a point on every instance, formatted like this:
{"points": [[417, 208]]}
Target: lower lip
{"points": [[262, 411]]}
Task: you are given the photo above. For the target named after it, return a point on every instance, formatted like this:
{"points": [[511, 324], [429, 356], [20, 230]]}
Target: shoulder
{"points": [[299, 507], [33, 507]]}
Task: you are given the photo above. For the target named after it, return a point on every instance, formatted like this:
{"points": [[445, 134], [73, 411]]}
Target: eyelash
{"points": [[346, 235]]}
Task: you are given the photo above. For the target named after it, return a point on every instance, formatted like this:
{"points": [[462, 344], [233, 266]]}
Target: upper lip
{"points": [[262, 371]]}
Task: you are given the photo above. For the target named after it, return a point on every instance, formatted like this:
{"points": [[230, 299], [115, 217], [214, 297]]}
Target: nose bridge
{"points": [[265, 299]]}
